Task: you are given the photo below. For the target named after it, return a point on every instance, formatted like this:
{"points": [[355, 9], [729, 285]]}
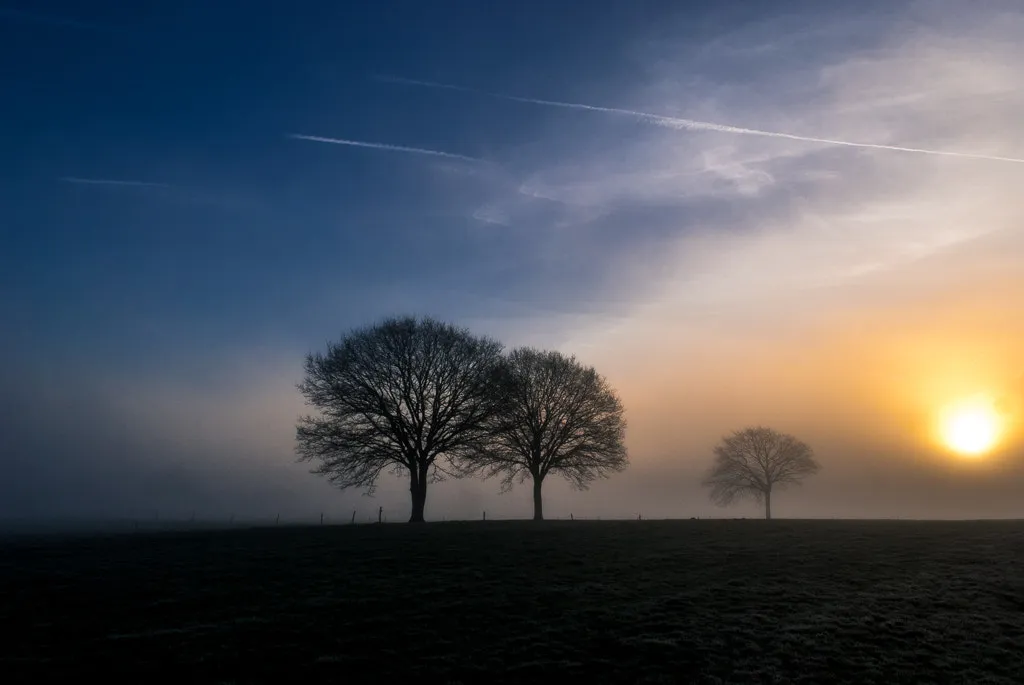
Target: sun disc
{"points": [[971, 430]]}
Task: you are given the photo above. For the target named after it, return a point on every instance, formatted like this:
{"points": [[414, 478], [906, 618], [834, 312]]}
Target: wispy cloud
{"points": [[491, 214], [695, 125], [386, 147], [728, 236], [113, 182]]}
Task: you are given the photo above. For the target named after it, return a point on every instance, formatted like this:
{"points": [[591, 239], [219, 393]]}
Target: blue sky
{"points": [[166, 241], [252, 233]]}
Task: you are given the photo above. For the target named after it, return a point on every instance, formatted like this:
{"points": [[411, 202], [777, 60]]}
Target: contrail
{"points": [[385, 146], [694, 125], [109, 182]]}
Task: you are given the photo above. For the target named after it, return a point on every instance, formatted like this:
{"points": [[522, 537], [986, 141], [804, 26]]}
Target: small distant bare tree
{"points": [[404, 395], [557, 416], [755, 461]]}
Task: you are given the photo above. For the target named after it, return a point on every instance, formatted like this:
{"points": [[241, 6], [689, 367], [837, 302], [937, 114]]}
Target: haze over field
{"points": [[801, 216]]}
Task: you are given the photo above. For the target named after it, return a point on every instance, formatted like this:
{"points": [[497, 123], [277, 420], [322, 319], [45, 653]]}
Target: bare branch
{"points": [[755, 461], [557, 416], [405, 394]]}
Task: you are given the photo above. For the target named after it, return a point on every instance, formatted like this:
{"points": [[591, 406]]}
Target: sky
{"points": [[798, 214]]}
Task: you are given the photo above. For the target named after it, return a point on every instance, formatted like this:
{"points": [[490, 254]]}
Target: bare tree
{"points": [[754, 461], [407, 395], [557, 416]]}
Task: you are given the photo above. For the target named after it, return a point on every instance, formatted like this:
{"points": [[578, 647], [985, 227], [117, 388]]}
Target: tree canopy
{"points": [[555, 416], [755, 461], [409, 395]]}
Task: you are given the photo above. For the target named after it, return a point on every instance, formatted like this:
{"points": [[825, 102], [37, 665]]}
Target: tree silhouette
{"points": [[754, 461], [557, 416], [408, 395]]}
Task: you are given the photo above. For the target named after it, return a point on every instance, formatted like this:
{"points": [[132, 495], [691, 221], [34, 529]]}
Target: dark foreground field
{"points": [[629, 602]]}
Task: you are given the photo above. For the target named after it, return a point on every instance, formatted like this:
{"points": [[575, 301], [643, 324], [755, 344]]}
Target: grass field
{"points": [[504, 602]]}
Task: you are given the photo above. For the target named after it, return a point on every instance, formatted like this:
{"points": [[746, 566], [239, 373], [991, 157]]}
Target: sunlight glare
{"points": [[971, 429]]}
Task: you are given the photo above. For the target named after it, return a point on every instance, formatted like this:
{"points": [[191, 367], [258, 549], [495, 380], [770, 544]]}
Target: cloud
{"points": [[836, 292], [385, 146], [831, 291], [695, 125], [491, 214], [111, 182]]}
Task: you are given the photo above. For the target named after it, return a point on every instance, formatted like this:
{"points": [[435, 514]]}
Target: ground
{"points": [[515, 602]]}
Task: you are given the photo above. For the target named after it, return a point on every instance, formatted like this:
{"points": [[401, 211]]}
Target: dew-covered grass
{"points": [[521, 602]]}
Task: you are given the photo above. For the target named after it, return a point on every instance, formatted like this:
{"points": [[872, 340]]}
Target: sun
{"points": [[971, 429]]}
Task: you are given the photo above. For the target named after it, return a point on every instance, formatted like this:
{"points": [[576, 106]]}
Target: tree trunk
{"points": [[418, 489], [768, 505], [538, 502]]}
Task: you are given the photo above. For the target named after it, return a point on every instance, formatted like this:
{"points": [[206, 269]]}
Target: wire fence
{"points": [[154, 521]]}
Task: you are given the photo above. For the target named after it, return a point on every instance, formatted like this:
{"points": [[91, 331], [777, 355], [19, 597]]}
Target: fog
{"points": [[841, 294]]}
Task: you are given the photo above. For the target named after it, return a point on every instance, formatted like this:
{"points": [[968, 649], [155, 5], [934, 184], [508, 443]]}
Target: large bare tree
{"points": [[557, 416], [406, 395], [755, 461]]}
